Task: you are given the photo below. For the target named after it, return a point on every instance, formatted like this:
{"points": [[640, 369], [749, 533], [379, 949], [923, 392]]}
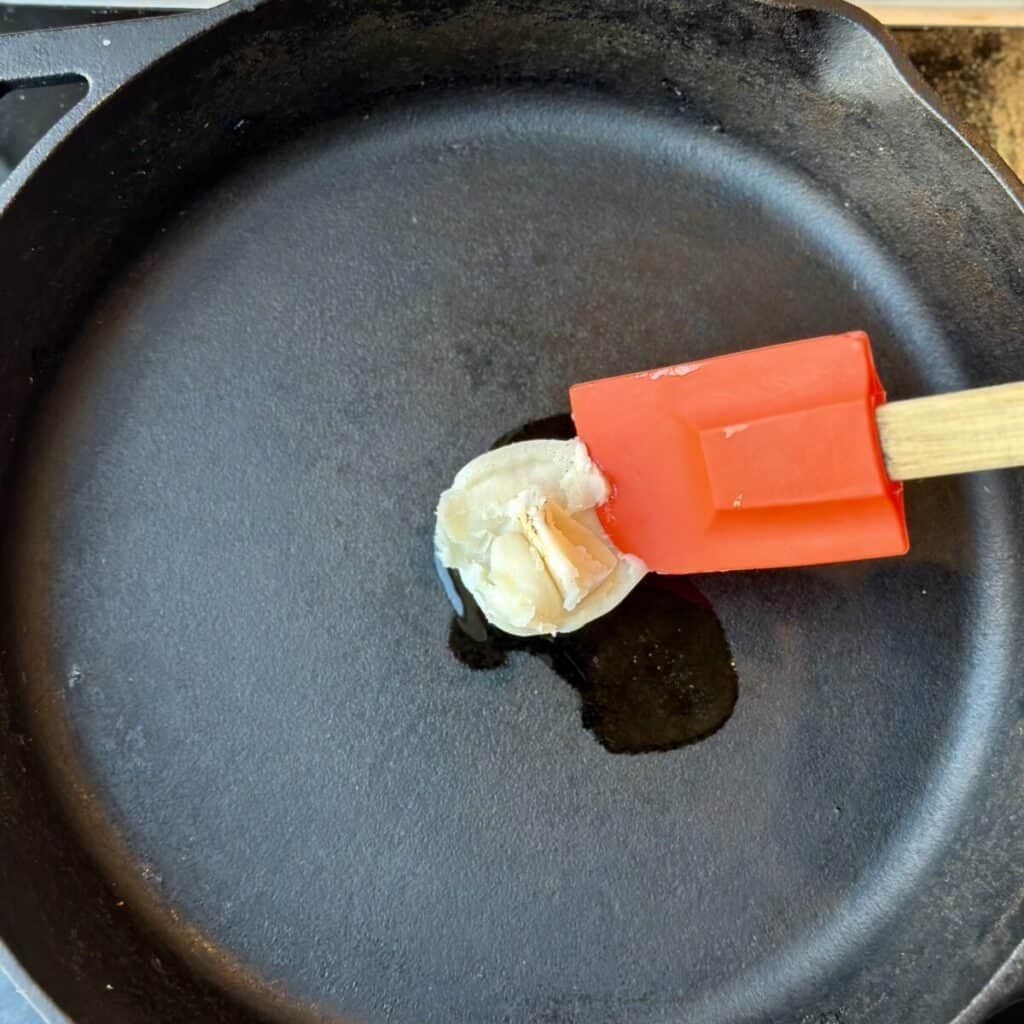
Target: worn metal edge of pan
{"points": [[921, 90], [26, 987], [89, 51], [48, 55]]}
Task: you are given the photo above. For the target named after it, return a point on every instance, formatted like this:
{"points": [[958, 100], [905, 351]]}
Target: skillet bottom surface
{"points": [[234, 643]]}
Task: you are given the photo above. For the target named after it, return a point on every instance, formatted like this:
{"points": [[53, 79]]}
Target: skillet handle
{"points": [[106, 56]]}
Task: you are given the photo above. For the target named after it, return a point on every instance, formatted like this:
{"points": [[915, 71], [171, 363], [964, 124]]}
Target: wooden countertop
{"points": [[979, 72]]}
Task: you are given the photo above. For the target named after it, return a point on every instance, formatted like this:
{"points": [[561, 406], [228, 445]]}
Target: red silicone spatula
{"points": [[786, 455]]}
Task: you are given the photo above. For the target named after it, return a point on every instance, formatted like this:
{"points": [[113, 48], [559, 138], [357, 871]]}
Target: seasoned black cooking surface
{"points": [[235, 644]]}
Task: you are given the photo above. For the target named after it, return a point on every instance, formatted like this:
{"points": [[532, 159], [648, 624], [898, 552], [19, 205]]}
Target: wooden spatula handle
{"points": [[961, 432]]}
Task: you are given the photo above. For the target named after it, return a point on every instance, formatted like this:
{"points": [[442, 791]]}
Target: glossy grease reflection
{"points": [[654, 674]]}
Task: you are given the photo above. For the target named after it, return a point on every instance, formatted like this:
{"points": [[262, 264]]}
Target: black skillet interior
{"points": [[242, 775]]}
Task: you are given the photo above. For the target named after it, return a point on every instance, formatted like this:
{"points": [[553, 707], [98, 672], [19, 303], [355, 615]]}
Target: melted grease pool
{"points": [[654, 674]]}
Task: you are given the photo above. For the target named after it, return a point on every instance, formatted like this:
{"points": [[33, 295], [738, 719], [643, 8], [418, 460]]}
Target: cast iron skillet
{"points": [[287, 267]]}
